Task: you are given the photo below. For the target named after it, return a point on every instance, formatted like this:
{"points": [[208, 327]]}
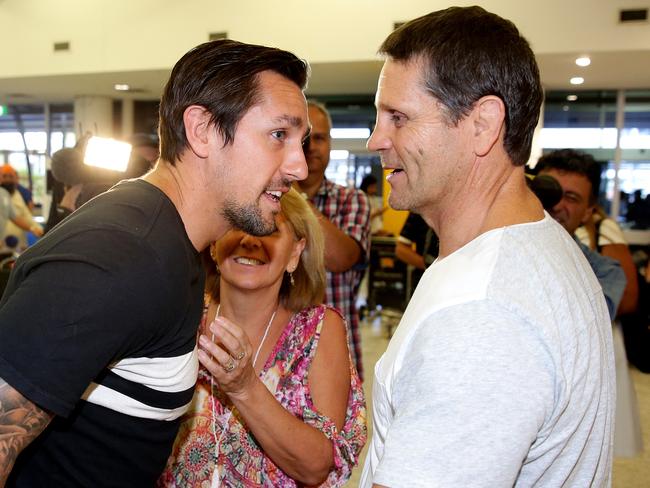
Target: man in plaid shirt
{"points": [[344, 215]]}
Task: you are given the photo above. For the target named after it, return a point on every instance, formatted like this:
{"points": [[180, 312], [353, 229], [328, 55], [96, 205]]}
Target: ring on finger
{"points": [[240, 356], [228, 368]]}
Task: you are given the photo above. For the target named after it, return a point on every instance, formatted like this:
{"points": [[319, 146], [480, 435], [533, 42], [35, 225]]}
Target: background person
{"points": [[344, 216], [417, 245], [23, 212], [284, 406], [377, 209], [104, 363], [9, 213]]}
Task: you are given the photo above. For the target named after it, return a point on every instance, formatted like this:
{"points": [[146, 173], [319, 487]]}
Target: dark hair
{"points": [[222, 77], [573, 161], [469, 53], [367, 180]]}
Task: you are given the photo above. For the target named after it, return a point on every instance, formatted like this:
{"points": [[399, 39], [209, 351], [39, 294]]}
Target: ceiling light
{"points": [[577, 80], [583, 61], [571, 98], [121, 87]]}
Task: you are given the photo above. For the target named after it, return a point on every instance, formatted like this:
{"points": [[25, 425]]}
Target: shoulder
{"points": [[333, 324], [610, 233], [322, 325]]}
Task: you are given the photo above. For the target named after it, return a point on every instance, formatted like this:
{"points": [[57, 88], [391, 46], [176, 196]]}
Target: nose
{"points": [[379, 140], [295, 165], [250, 242]]}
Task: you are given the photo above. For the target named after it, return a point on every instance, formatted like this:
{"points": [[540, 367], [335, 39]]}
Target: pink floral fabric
{"points": [[240, 461]]}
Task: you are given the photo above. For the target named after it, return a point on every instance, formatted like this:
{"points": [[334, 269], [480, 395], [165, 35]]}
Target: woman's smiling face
{"points": [[250, 262]]}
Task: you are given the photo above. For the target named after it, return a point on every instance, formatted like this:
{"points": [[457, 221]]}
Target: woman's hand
{"points": [[229, 358]]}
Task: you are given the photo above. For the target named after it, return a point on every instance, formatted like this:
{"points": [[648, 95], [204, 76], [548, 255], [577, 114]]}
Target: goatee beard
{"points": [[248, 218]]}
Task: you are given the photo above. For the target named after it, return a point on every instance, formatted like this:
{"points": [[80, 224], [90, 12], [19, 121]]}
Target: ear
{"points": [[197, 129], [488, 117], [298, 248]]}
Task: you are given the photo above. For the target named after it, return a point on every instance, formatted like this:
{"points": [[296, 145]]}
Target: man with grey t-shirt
{"points": [[501, 370]]}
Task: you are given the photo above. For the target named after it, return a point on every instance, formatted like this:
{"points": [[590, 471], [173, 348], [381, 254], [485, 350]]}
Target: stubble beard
{"points": [[248, 218]]}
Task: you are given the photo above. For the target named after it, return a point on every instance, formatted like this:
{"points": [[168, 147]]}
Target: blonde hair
{"points": [[309, 276]]}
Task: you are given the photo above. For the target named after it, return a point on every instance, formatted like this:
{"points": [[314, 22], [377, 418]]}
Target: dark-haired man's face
{"points": [[265, 157], [427, 156], [574, 208]]}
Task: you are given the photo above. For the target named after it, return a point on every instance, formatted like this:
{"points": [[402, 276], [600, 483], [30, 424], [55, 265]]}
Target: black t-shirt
{"points": [[417, 231], [98, 325]]}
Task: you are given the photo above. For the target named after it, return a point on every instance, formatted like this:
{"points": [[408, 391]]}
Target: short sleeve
{"points": [[355, 219], [73, 314], [469, 396], [414, 230]]}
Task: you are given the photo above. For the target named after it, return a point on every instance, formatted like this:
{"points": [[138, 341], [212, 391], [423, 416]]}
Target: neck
{"points": [[196, 204], [236, 306], [493, 196], [311, 184]]}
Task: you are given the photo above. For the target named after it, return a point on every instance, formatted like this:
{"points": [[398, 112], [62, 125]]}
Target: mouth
{"points": [[393, 173], [246, 261], [274, 195]]}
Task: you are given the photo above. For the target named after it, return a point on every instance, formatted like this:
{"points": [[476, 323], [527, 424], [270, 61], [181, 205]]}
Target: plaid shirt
{"points": [[349, 210]]}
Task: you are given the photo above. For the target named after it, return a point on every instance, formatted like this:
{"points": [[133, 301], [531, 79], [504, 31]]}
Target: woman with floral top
{"points": [[278, 401]]}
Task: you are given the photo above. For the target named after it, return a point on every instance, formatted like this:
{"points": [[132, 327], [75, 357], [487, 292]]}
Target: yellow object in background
{"points": [[393, 219]]}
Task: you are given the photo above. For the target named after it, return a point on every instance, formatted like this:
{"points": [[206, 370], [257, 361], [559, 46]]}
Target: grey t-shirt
{"points": [[501, 372]]}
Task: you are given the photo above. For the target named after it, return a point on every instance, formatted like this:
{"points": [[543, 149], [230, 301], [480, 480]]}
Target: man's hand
{"points": [[20, 423]]}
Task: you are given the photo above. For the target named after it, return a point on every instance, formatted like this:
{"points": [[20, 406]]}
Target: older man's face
{"points": [[318, 155], [428, 157], [574, 208]]}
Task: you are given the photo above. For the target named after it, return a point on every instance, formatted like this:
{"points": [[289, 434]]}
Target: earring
{"points": [[291, 280], [213, 256]]}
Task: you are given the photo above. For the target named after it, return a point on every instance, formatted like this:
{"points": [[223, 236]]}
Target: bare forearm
{"points": [[408, 255], [20, 423], [341, 251], [300, 450]]}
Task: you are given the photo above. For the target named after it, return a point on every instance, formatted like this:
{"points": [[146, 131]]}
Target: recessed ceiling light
{"points": [[577, 80], [583, 61], [572, 98], [121, 87]]}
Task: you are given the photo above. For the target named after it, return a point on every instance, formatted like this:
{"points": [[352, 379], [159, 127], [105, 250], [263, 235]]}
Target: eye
{"points": [[397, 118], [280, 134]]}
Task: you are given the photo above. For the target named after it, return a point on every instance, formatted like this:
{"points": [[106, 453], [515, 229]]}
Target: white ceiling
{"points": [[610, 70]]}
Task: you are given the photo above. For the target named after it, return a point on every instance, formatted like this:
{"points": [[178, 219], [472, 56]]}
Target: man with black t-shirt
{"points": [[98, 324]]}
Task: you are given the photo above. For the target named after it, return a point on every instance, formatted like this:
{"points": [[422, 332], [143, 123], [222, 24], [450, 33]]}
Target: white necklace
{"points": [[216, 479]]}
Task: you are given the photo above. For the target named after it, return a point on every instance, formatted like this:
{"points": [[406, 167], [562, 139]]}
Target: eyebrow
{"points": [[289, 119]]}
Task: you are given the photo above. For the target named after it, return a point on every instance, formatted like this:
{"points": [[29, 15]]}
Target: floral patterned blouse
{"points": [[241, 461]]}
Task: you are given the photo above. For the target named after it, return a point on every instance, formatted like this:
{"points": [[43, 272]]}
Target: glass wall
{"points": [[29, 134]]}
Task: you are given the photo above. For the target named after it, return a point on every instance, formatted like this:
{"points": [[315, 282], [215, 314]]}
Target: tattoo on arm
{"points": [[20, 423]]}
